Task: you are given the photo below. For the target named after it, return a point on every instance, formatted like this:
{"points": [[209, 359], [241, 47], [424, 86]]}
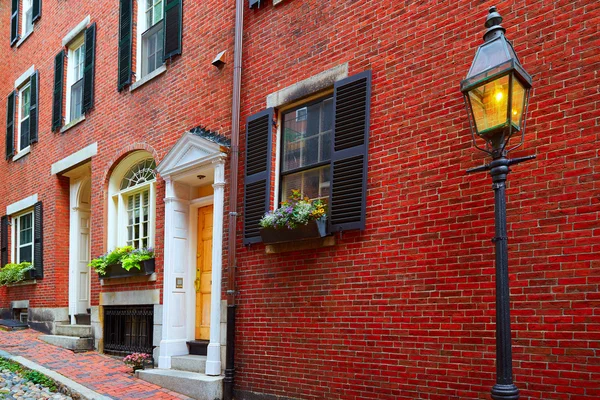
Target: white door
{"points": [[83, 258]]}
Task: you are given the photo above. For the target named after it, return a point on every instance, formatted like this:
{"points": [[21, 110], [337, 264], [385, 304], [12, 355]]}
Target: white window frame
{"points": [[16, 237], [21, 118], [117, 212], [24, 30], [142, 27], [75, 45]]}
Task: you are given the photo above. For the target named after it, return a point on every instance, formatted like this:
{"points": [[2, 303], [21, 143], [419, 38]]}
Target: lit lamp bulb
{"points": [[514, 112], [498, 96]]}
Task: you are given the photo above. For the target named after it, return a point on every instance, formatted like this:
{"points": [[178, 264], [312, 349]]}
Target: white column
{"points": [[213, 359], [73, 246], [174, 334]]}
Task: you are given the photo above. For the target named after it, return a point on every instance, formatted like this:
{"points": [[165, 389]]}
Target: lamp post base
{"points": [[505, 392]]}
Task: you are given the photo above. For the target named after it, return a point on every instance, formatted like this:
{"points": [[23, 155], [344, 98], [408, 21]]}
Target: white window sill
{"points": [[72, 124], [157, 72], [20, 42], [22, 153]]}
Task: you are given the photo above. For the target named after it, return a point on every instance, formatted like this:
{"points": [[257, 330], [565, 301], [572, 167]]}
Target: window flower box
{"points": [[147, 267], [312, 230]]}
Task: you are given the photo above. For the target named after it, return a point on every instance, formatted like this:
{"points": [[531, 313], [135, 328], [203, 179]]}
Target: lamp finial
{"points": [[492, 22]]}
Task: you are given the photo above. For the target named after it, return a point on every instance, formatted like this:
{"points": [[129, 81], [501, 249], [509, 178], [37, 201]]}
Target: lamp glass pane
{"points": [[489, 104], [489, 55], [518, 103]]}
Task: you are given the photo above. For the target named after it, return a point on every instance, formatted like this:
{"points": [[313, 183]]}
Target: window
{"points": [[75, 67], [24, 237], [152, 36], [27, 17], [306, 149], [323, 158], [24, 108], [132, 209]]}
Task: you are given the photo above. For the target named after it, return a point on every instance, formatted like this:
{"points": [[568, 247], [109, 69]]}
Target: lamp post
{"points": [[496, 93]]}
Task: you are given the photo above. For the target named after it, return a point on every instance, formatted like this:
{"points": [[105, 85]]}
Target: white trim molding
{"points": [[74, 159], [21, 205], [25, 77], [76, 31]]}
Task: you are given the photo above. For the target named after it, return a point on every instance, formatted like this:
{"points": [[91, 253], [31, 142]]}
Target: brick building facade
{"points": [[396, 304], [404, 309]]}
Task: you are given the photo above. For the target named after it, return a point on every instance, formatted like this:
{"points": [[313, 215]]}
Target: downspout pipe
{"points": [[228, 382]]}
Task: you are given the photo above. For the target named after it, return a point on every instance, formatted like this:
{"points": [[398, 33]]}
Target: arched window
{"points": [[132, 204]]}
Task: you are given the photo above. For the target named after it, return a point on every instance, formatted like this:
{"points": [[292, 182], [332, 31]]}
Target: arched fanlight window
{"points": [[142, 172], [132, 209]]}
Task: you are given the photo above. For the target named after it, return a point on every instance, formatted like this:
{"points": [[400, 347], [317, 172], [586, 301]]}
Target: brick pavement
{"points": [[103, 374]]}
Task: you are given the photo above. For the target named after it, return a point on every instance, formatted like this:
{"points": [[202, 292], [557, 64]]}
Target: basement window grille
{"points": [[128, 329]]}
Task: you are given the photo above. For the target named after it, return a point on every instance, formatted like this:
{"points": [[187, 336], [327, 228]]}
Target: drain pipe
{"points": [[231, 249]]}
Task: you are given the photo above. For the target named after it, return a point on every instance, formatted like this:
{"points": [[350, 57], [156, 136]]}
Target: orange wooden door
{"points": [[204, 272]]}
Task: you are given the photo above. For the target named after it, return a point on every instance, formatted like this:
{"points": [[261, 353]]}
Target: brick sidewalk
{"points": [[103, 374]]}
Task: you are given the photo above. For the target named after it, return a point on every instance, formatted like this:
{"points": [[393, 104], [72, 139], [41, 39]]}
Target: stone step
{"points": [[195, 385], [69, 342], [82, 331], [189, 363], [83, 319]]}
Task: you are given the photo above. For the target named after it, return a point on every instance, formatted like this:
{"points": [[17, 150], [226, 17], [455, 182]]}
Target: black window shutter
{"points": [[10, 125], [36, 11], [347, 198], [34, 108], [257, 185], [57, 99], [125, 42], [88, 69], [14, 22], [172, 30], [38, 240], [3, 241]]}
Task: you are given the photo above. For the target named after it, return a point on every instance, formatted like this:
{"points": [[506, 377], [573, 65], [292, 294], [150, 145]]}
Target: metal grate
{"points": [[128, 329]]}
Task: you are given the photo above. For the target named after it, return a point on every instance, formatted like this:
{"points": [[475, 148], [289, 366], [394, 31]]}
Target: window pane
{"points": [[25, 102], [307, 135], [25, 254], [158, 12], [313, 183]]}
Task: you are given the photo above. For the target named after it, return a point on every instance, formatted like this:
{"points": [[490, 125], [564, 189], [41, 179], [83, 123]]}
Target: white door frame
{"points": [[188, 157], [76, 212]]}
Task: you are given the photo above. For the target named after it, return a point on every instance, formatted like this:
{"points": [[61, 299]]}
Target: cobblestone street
{"points": [[102, 374]]}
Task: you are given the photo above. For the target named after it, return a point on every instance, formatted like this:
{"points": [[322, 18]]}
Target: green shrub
{"points": [[14, 273], [40, 379], [127, 256]]}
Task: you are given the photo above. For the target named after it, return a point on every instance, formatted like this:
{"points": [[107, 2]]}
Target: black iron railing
{"points": [[128, 329]]}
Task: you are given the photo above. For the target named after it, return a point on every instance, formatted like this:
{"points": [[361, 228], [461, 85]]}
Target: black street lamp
{"points": [[496, 92]]}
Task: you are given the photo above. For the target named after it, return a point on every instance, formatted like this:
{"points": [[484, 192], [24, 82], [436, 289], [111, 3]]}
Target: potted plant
{"points": [[15, 273], [296, 219], [136, 360], [124, 262]]}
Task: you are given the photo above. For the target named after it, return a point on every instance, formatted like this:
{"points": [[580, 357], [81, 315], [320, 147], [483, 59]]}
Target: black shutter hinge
{"points": [[498, 238]]}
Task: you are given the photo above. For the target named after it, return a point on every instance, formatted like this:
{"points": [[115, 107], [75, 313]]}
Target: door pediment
{"points": [[191, 151]]}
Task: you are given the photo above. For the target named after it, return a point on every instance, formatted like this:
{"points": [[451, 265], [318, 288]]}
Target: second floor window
{"points": [[152, 37], [24, 112], [78, 60], [24, 238]]}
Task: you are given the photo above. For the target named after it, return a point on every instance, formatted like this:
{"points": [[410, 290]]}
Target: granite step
{"points": [[82, 331], [192, 384], [189, 363], [76, 344]]}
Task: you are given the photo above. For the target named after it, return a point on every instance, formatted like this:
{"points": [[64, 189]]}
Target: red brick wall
{"points": [[405, 308], [192, 92]]}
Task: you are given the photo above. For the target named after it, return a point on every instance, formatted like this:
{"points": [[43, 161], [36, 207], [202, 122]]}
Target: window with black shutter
{"points": [[257, 185], [324, 154], [38, 240], [10, 125], [57, 98], [125, 42]]}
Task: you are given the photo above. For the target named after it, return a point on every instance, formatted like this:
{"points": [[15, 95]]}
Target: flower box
{"points": [[116, 271], [314, 229]]}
